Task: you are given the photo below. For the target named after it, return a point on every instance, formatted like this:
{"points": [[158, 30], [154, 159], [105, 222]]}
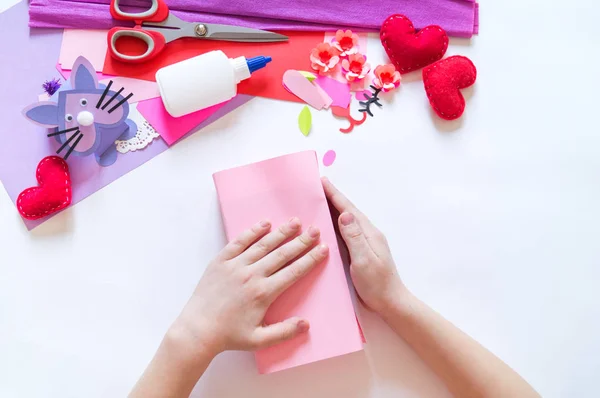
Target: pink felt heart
{"points": [[53, 192]]}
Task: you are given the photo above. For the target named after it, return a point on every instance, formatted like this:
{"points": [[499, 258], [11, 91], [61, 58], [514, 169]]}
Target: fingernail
{"points": [[324, 179], [313, 232], [303, 326], [323, 249], [347, 218], [294, 223], [265, 223]]}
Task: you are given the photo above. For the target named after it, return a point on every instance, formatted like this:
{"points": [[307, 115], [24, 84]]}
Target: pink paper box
{"points": [[278, 189]]}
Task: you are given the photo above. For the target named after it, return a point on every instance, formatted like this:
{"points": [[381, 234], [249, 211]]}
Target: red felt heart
{"points": [[408, 49], [443, 81], [53, 193]]}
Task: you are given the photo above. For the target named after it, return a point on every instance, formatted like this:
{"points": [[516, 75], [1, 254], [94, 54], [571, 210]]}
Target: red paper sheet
{"points": [[293, 54]]}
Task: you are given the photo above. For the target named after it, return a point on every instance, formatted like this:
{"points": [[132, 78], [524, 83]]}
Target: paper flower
{"points": [[51, 86], [355, 67], [324, 58], [386, 78], [346, 42]]}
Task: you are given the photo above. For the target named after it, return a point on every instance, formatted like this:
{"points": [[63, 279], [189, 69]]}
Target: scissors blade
{"points": [[171, 28], [237, 33], [174, 28]]}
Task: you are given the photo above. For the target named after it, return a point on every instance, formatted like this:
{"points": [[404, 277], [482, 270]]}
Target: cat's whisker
{"points": [[67, 142], [73, 146], [113, 98], [104, 94], [120, 103], [63, 131]]}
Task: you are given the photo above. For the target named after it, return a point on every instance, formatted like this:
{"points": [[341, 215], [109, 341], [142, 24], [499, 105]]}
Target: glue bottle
{"points": [[208, 79]]}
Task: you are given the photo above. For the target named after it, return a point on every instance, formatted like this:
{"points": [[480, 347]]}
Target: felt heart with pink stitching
{"points": [[53, 192], [443, 81], [408, 49]]}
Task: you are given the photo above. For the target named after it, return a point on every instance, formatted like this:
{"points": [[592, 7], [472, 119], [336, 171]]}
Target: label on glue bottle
{"points": [[203, 81]]}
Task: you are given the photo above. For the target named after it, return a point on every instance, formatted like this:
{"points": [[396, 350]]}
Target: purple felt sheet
{"points": [[458, 17], [28, 59]]}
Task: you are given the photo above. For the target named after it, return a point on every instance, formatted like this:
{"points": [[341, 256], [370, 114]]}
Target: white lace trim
{"points": [[144, 136]]}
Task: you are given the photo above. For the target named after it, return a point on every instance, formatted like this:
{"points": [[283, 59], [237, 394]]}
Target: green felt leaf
{"points": [[305, 120]]}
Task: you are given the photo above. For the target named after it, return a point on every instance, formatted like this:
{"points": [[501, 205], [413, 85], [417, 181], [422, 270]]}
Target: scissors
{"points": [[157, 26]]}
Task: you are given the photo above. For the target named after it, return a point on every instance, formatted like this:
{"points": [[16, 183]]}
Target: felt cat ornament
{"points": [[86, 118]]}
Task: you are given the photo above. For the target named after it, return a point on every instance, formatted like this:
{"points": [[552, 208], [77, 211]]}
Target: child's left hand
{"points": [[227, 308]]}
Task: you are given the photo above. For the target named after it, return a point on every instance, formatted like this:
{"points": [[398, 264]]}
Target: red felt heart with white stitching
{"points": [[53, 192], [443, 81], [408, 49]]}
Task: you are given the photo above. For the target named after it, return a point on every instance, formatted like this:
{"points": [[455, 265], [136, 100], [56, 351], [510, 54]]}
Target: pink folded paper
{"points": [[279, 189]]}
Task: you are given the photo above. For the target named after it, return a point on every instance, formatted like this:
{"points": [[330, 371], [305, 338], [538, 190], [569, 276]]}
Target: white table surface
{"points": [[493, 220]]}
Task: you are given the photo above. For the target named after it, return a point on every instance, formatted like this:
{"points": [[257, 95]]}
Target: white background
{"points": [[493, 220]]}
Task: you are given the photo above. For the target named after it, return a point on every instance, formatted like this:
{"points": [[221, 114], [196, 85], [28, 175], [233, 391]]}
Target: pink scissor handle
{"points": [[154, 41]]}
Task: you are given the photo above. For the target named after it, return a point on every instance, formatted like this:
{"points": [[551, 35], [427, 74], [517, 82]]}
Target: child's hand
{"points": [[372, 267], [227, 308]]}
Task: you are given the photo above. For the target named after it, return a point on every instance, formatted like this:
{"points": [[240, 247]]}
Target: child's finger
{"points": [[286, 277], [288, 252], [245, 239], [336, 197], [272, 241], [355, 239], [276, 333], [343, 204]]}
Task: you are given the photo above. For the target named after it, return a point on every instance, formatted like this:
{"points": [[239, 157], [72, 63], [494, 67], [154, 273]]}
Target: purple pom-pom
{"points": [[51, 86]]}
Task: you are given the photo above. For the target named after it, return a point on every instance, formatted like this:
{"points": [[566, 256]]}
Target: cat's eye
{"points": [[69, 117], [83, 102]]}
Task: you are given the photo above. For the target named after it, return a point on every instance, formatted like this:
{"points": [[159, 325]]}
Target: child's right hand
{"points": [[372, 267]]}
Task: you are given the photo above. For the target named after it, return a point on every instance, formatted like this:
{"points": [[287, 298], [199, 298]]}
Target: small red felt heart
{"points": [[53, 193], [408, 49], [442, 83]]}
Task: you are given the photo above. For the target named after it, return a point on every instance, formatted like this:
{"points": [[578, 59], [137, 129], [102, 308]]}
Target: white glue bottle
{"points": [[204, 81]]}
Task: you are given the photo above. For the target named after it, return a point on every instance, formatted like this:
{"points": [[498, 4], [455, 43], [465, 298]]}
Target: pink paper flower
{"points": [[386, 78], [324, 58], [346, 42], [355, 67]]}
